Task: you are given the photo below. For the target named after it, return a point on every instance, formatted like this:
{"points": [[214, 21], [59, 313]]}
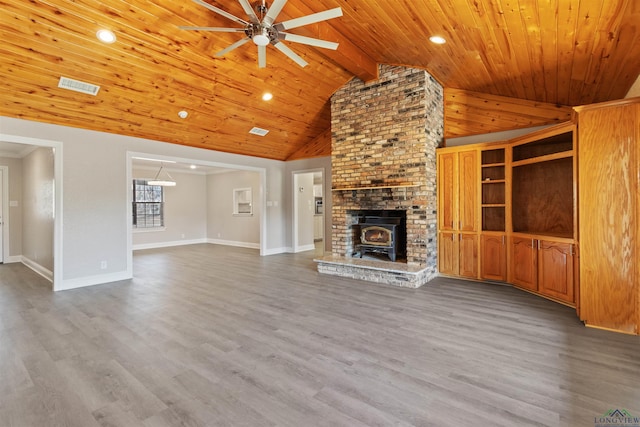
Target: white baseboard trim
{"points": [[306, 248], [168, 244], [42, 271], [12, 259], [234, 243], [82, 282], [275, 251]]}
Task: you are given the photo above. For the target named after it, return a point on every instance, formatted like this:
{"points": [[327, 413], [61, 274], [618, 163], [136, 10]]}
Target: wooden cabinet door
{"points": [[609, 210], [524, 263], [448, 253], [493, 257], [468, 264], [447, 191], [555, 270], [468, 190]]}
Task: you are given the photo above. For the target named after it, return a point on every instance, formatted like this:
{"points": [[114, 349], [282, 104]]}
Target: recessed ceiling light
{"points": [[267, 96], [182, 114], [437, 40], [193, 166], [106, 36]]}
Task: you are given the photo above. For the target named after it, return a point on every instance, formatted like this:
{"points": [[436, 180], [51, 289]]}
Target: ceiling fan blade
{"points": [[309, 19], [233, 46], [308, 40], [221, 12], [273, 11], [220, 29], [262, 56], [248, 9], [291, 54]]}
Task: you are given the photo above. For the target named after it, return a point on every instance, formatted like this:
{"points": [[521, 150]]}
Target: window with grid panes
{"points": [[148, 205]]}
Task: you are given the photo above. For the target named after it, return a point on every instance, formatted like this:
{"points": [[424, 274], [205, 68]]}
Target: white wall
{"points": [[38, 210], [224, 227], [95, 188], [185, 212], [14, 232]]}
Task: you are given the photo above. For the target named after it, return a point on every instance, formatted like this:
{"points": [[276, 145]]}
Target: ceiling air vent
{"points": [[258, 131], [78, 86]]}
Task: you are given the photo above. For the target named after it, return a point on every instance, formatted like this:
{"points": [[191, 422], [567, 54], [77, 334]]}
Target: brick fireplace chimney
{"points": [[384, 137]]}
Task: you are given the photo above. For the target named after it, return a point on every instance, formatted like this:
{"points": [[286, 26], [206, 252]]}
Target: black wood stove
{"points": [[379, 235]]}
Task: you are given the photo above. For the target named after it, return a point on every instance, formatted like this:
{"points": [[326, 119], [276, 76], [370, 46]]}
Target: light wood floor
{"points": [[217, 336]]}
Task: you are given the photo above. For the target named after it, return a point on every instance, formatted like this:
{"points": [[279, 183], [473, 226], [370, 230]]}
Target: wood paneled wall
{"points": [[319, 147], [473, 113]]}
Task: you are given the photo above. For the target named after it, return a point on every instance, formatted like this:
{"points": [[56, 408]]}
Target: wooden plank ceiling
{"points": [[559, 52]]}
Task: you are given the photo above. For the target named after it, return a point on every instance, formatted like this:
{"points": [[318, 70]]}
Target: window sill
{"points": [[148, 229]]}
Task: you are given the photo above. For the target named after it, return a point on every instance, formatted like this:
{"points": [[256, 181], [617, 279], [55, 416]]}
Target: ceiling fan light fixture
{"points": [[261, 39], [162, 182]]}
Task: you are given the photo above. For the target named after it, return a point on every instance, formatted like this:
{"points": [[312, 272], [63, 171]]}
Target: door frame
{"points": [[294, 208], [260, 195], [57, 200]]}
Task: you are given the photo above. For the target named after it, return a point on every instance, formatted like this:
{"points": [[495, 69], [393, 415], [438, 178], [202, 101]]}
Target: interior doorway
{"points": [[308, 211], [34, 237]]}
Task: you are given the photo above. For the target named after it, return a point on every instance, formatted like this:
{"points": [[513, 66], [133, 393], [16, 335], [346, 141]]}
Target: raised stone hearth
{"points": [[384, 137]]}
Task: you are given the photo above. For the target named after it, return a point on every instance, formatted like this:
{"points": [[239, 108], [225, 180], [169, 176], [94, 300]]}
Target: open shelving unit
{"points": [[542, 187], [493, 189]]}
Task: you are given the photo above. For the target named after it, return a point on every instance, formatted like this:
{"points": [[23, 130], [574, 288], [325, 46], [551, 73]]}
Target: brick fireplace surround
{"points": [[384, 137]]}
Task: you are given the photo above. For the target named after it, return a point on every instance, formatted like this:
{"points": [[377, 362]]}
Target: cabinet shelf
{"points": [[494, 181], [492, 165], [493, 205], [546, 158]]}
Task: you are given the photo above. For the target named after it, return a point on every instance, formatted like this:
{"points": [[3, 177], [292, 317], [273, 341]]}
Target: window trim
{"points": [[134, 205]]}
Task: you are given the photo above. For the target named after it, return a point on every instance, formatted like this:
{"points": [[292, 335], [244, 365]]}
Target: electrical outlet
{"points": [[182, 236], [218, 234], [103, 265]]}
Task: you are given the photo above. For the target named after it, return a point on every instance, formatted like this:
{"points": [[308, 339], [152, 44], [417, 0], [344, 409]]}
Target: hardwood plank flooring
{"points": [[207, 335]]}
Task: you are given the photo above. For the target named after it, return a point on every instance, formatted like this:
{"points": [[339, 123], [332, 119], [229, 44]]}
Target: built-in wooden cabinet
{"points": [[458, 208], [493, 253], [543, 266], [556, 270], [493, 212], [566, 200], [457, 196], [493, 191], [523, 200], [524, 263], [609, 220]]}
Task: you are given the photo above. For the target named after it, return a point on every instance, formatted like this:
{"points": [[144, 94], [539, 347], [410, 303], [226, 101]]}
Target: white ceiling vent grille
{"points": [[78, 86], [258, 131]]}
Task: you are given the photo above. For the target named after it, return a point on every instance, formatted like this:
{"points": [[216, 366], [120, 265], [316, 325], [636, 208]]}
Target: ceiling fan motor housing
{"points": [[261, 34]]}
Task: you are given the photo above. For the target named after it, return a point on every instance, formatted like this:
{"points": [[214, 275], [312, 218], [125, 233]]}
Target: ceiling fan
{"points": [[263, 30]]}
